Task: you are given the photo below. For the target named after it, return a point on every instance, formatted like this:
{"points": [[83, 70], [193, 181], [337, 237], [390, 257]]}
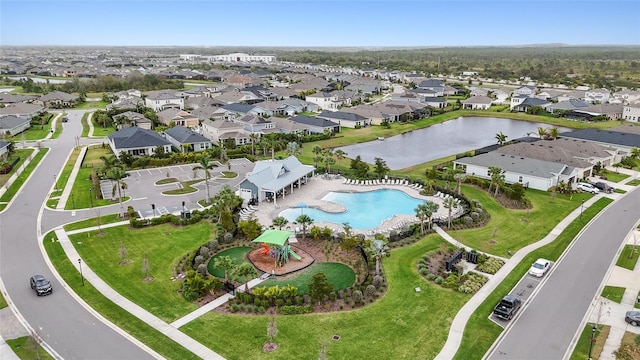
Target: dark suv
{"points": [[40, 285], [603, 187]]}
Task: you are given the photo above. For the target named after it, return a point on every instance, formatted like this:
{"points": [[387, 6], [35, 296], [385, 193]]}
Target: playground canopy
{"points": [[275, 237]]}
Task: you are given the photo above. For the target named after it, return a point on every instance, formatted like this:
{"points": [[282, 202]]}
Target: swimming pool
{"points": [[365, 210]]}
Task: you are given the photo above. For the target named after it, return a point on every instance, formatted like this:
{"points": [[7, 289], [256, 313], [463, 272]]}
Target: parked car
{"points": [[603, 187], [65, 119], [632, 317], [587, 188], [540, 267], [40, 285], [507, 307]]}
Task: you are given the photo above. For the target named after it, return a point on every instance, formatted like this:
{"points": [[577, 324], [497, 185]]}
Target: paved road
{"points": [[549, 322], [66, 326]]}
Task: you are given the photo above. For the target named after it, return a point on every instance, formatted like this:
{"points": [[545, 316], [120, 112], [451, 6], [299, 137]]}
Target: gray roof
{"points": [[274, 175], [341, 115], [58, 95], [15, 98], [532, 101], [163, 95], [553, 151], [4, 144], [135, 137], [515, 164], [570, 104], [10, 122], [314, 121], [605, 136], [239, 108], [20, 108], [185, 136]]}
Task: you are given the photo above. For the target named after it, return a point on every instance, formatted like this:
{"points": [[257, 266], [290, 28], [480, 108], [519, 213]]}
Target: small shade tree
{"points": [[245, 271]]}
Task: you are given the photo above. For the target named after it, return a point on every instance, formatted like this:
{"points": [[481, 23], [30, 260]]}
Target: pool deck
{"points": [[317, 187]]}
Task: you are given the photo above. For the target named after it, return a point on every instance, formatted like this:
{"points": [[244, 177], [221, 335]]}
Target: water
{"points": [[437, 141], [39, 80], [365, 210]]}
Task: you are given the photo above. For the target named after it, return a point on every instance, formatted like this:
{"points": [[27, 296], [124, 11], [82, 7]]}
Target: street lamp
{"points": [[80, 265], [581, 208], [593, 339], [153, 210], [91, 196]]}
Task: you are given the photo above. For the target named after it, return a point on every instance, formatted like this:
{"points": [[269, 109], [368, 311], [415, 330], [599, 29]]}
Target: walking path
{"points": [[72, 178]]}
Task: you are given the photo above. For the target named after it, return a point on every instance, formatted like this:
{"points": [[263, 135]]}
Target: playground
{"points": [[278, 253]]}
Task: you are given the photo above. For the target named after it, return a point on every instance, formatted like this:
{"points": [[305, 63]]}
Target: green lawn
{"points": [[515, 229], [27, 347], [85, 125], [17, 184], [92, 105], [166, 181], [634, 182], [185, 189], [237, 254], [615, 176], [24, 155], [628, 257], [36, 132], [229, 174], [340, 276], [407, 325], [106, 219], [129, 323], [613, 293], [99, 130], [480, 332], [63, 177], [164, 245], [59, 127], [3, 302], [81, 197], [581, 350]]}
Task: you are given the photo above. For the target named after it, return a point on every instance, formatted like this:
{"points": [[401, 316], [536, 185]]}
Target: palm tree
{"points": [[493, 170], [450, 203], [280, 221], [206, 165], [429, 186], [116, 175], [245, 271], [108, 163], [502, 138], [253, 137], [421, 213], [317, 159], [293, 149], [328, 158], [635, 152], [378, 249], [460, 178], [497, 178], [225, 263], [542, 132], [304, 220], [340, 155], [554, 132]]}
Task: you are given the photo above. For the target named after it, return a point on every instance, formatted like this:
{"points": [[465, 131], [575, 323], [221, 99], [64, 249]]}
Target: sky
{"points": [[318, 23]]}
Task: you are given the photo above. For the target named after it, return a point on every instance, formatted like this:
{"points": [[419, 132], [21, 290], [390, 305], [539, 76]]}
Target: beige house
{"points": [[177, 117], [221, 130], [477, 103]]}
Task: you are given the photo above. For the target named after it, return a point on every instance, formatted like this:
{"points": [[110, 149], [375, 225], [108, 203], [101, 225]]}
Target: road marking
{"points": [[142, 198]]}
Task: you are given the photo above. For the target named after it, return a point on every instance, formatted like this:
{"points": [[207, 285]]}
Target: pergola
{"points": [[273, 237]]}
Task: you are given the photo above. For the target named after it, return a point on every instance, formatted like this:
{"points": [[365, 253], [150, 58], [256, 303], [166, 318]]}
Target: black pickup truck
{"points": [[507, 307]]}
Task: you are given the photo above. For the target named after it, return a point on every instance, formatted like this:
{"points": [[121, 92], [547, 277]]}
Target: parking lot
{"points": [[523, 290]]}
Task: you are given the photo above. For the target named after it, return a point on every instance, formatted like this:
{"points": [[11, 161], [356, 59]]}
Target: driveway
{"points": [[548, 323]]}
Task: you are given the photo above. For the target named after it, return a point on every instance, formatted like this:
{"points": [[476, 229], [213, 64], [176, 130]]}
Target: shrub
{"points": [[377, 281], [213, 245], [451, 281], [295, 310], [439, 280], [431, 276], [299, 300], [205, 252], [202, 269], [472, 283], [197, 261], [333, 296], [357, 296], [467, 220], [279, 302], [490, 266], [234, 308], [370, 290], [424, 271]]}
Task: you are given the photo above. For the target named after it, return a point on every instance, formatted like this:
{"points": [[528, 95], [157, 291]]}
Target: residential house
{"points": [[531, 173], [631, 112], [164, 99], [22, 110], [526, 90], [57, 100], [272, 178], [477, 103], [425, 93], [132, 118], [575, 94], [255, 124], [345, 119], [325, 101], [407, 96], [221, 130], [611, 111], [174, 116], [301, 106], [549, 94], [625, 96], [476, 91], [452, 90], [205, 112], [235, 111], [564, 106], [597, 96], [193, 103], [287, 126], [502, 95], [238, 96], [4, 149], [6, 98], [137, 142], [11, 125], [435, 85], [621, 138], [187, 140], [528, 102], [317, 125], [435, 102], [282, 92]]}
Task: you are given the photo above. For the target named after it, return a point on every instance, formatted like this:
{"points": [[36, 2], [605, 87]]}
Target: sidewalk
{"points": [[72, 178], [459, 323], [612, 313]]}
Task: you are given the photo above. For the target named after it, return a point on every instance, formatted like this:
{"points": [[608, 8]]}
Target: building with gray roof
{"points": [[187, 140], [272, 178], [137, 142]]}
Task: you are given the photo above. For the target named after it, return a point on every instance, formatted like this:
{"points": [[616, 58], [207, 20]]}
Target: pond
{"points": [[437, 141]]}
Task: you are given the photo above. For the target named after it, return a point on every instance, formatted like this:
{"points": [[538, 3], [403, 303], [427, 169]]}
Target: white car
{"points": [[540, 267], [587, 187]]}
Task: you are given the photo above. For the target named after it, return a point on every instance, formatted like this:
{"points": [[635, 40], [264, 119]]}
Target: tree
{"points": [[253, 137], [635, 152], [116, 175], [244, 271], [497, 178], [293, 149], [380, 167], [272, 329], [542, 132], [304, 220], [250, 228], [425, 212], [205, 164], [317, 159], [502, 138], [225, 263], [492, 171], [328, 158], [378, 249], [280, 221], [319, 287], [553, 132], [340, 155], [459, 178], [450, 204]]}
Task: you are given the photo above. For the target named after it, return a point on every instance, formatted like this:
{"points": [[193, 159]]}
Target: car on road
{"points": [[603, 187], [540, 267], [65, 119], [587, 188], [40, 285], [632, 317]]}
